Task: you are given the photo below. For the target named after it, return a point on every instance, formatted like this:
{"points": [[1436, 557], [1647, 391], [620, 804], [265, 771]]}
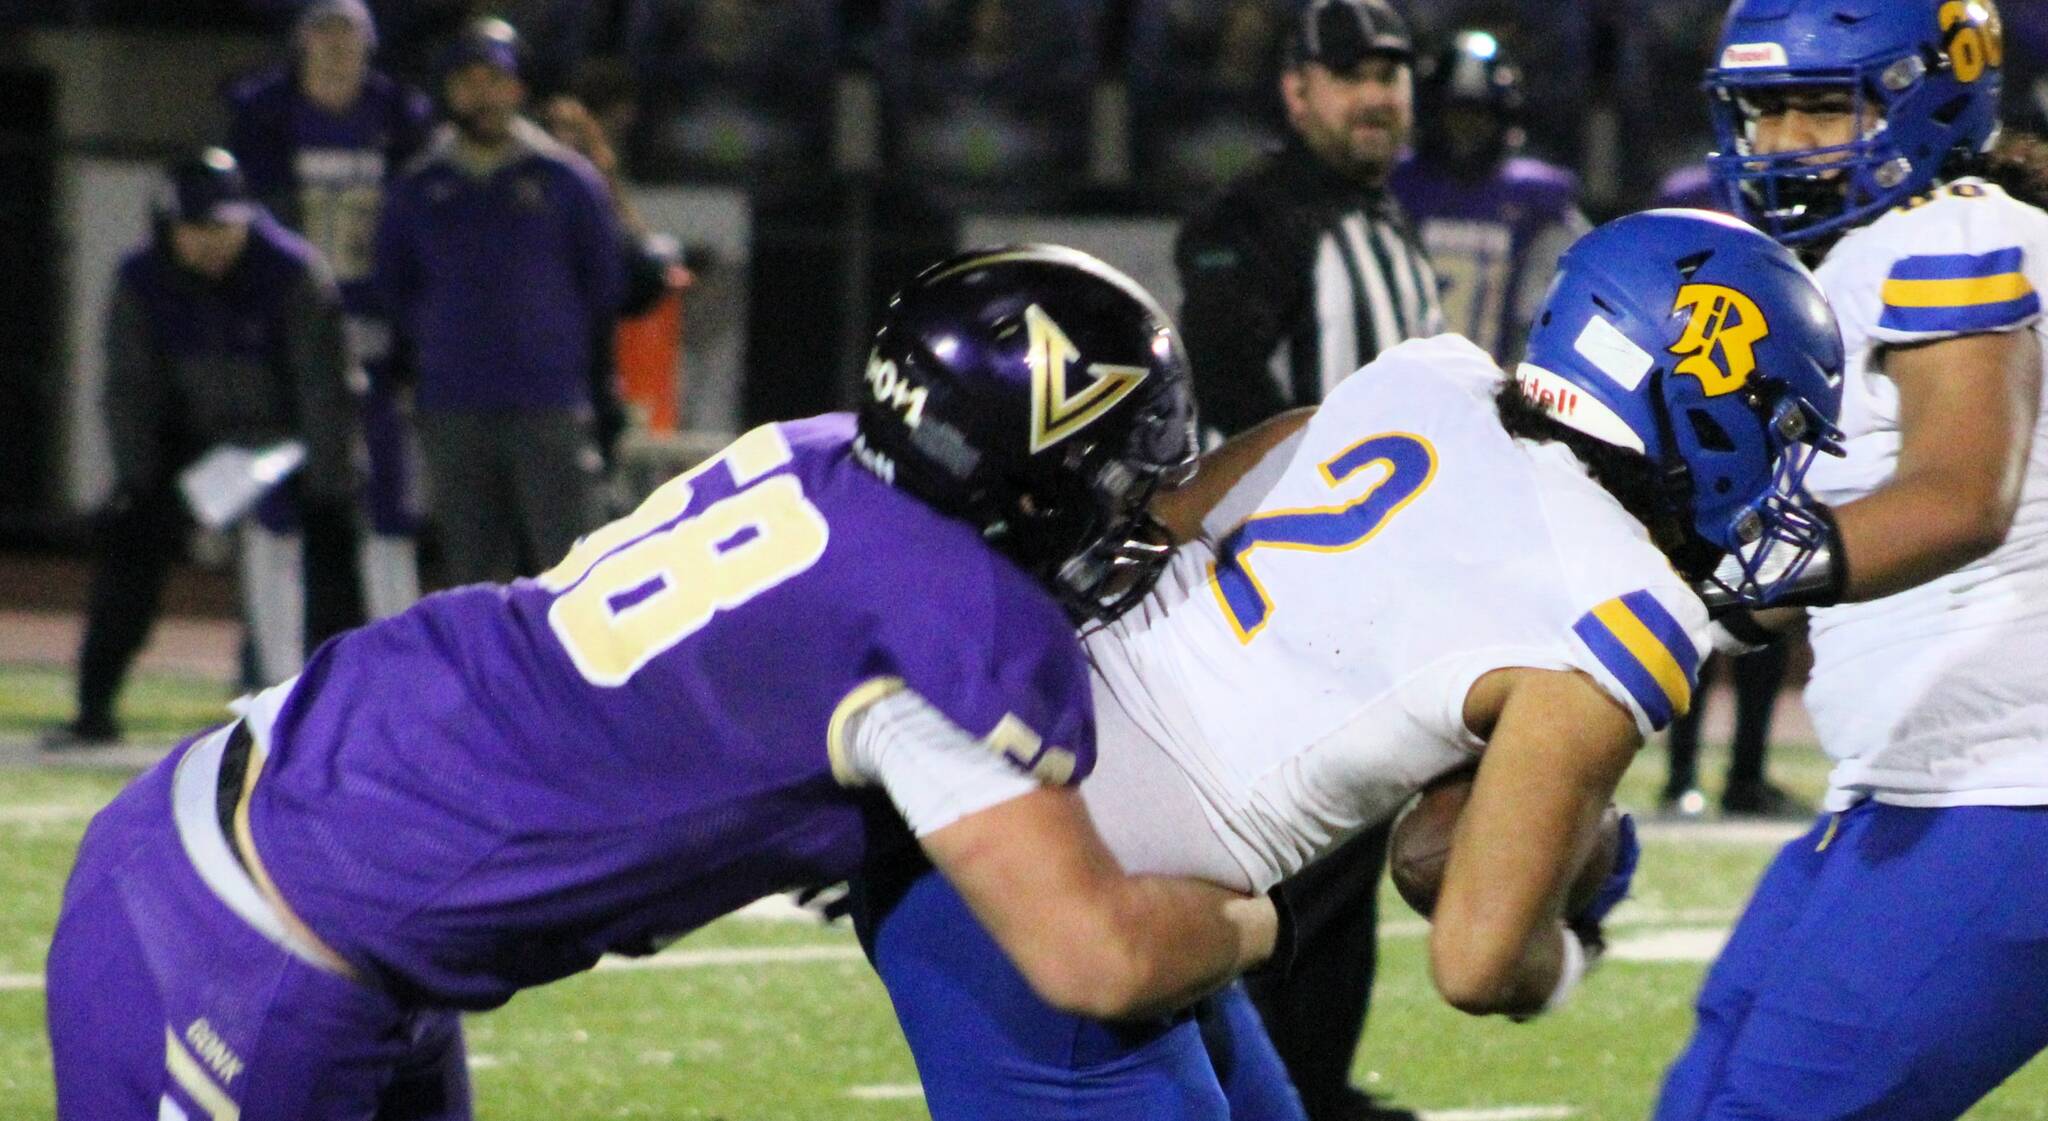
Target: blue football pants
{"points": [[986, 1046], [1893, 964]]}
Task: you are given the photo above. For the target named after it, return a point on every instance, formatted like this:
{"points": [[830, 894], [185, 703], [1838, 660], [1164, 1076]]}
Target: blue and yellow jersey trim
{"points": [[1647, 650], [1958, 292]]}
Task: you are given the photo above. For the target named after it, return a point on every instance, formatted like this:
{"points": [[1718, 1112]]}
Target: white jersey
{"points": [[1299, 679], [1937, 695]]}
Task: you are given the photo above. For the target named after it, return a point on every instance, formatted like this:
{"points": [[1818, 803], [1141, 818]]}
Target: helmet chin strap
{"points": [[1677, 477]]}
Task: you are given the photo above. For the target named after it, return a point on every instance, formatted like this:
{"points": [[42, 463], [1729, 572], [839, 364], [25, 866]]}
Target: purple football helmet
{"points": [[1043, 396]]}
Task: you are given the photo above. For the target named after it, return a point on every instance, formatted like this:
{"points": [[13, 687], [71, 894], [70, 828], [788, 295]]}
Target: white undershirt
{"points": [[934, 771]]}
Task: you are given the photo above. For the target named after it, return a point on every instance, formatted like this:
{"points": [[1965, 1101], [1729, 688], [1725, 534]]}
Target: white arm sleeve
{"points": [[935, 772]]}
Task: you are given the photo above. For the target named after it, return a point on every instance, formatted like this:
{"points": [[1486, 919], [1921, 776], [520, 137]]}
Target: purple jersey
{"points": [[1493, 241], [501, 784], [324, 173]]}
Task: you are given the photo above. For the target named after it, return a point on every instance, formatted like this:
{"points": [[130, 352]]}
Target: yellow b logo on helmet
{"points": [[1719, 344]]}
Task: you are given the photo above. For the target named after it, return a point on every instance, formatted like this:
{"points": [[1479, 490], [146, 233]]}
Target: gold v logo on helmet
{"points": [[1719, 344], [1057, 411]]}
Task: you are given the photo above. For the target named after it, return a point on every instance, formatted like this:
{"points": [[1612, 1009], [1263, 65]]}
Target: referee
{"points": [[1300, 272], [1304, 269]]}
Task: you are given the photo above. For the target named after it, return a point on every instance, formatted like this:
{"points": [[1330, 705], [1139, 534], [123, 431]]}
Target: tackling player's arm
{"points": [[1557, 745], [1089, 938], [1183, 509], [1967, 408]]}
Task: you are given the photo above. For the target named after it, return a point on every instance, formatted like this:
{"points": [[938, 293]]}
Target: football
{"points": [[1421, 845]]}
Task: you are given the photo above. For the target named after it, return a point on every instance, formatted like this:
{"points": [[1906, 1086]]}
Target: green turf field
{"points": [[780, 1021]]}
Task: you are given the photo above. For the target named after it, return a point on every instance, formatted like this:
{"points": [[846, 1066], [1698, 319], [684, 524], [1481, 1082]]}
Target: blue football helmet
{"points": [[1693, 339], [1927, 72], [1043, 396]]}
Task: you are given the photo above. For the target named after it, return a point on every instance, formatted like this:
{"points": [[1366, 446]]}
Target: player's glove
{"points": [[1586, 923]]}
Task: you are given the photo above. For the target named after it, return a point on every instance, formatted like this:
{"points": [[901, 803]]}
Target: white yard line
{"points": [[780, 906], [21, 751], [765, 955], [1724, 832], [1694, 942], [888, 1093], [1627, 917], [1683, 945], [909, 1091], [46, 813], [777, 908], [1685, 935], [1632, 914], [1501, 1113], [668, 959]]}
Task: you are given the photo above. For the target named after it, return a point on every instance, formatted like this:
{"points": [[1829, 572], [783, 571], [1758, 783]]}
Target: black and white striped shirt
{"points": [[1371, 287], [1293, 279]]}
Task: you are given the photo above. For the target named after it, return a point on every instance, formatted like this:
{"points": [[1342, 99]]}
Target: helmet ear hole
{"points": [[1951, 109], [1709, 432]]}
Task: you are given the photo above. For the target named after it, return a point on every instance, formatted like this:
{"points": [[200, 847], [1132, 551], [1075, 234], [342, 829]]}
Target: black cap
{"points": [[1340, 34], [205, 187], [1472, 69], [487, 40]]}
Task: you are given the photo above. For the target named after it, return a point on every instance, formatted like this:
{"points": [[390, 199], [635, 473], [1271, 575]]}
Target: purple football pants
{"points": [[167, 1001]]}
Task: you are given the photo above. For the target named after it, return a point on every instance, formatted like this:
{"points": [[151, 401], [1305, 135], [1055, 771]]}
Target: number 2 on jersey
{"points": [[624, 601], [1410, 463]]}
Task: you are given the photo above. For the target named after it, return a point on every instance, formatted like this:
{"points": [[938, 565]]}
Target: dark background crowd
{"points": [[1077, 106], [876, 122]]}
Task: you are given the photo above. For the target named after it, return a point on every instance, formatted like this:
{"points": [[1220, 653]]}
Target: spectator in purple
{"points": [[1493, 220], [318, 139], [223, 329], [498, 257]]}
